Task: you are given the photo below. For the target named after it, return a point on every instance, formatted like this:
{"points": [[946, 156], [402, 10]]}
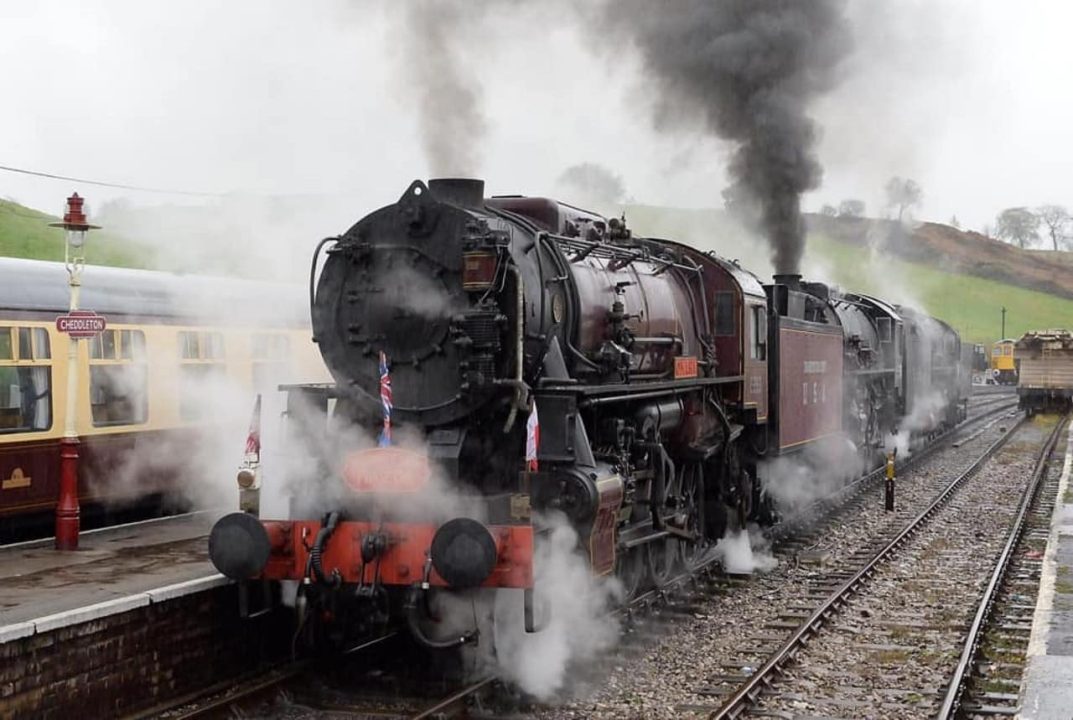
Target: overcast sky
{"points": [[969, 97]]}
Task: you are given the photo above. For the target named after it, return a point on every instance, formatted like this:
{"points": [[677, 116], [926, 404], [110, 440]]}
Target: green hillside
{"points": [[24, 233], [972, 304]]}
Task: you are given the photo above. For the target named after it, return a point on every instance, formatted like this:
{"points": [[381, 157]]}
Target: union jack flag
{"points": [[253, 440], [385, 400]]}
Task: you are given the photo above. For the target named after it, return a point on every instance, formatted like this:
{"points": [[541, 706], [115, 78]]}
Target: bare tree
{"points": [[828, 211], [1056, 219], [954, 222], [903, 194], [1018, 225], [851, 208]]}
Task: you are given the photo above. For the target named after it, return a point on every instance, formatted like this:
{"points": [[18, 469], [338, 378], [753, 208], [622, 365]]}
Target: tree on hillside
{"points": [[1056, 219], [954, 222], [903, 193], [828, 211], [1018, 225], [851, 208]]}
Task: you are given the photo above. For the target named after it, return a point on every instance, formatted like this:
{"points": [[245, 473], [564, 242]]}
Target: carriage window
{"points": [[269, 353], [118, 394], [725, 315], [118, 380], [201, 372], [199, 382], [7, 350], [26, 388], [42, 346], [188, 346], [25, 346], [201, 345]]}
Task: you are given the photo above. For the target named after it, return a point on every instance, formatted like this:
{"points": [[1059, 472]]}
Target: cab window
{"points": [[726, 324], [758, 333]]}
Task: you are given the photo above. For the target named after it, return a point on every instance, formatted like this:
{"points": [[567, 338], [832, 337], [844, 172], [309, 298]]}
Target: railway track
{"points": [[682, 595], [987, 679], [848, 497], [892, 637]]}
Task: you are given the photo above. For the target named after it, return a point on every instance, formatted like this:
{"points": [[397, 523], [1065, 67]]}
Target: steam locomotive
{"points": [[662, 381]]}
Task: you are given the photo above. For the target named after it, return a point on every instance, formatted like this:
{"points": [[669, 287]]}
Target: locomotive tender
{"points": [[664, 378]]}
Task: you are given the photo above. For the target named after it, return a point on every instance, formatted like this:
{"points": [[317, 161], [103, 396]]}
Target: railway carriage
{"points": [[149, 385], [1045, 377]]}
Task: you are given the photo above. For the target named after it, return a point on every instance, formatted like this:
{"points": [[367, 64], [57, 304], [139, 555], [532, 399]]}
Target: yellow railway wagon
{"points": [[1003, 363], [178, 353]]}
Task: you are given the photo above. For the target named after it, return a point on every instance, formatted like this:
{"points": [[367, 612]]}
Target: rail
{"points": [[858, 486], [234, 691], [453, 700], [748, 692], [956, 687]]}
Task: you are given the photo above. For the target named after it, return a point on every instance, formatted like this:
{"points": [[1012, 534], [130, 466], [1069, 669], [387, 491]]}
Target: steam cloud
{"points": [[747, 69], [449, 98]]}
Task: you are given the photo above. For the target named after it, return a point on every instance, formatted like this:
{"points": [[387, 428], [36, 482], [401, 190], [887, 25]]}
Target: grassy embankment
{"points": [[24, 233], [970, 303], [973, 305]]}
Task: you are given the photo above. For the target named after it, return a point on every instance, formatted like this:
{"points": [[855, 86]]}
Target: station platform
{"points": [[1047, 687], [114, 570]]}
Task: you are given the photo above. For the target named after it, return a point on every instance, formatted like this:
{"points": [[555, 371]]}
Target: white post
{"points": [[74, 271]]}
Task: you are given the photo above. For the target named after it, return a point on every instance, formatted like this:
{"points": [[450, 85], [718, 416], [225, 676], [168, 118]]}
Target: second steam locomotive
{"points": [[545, 362]]}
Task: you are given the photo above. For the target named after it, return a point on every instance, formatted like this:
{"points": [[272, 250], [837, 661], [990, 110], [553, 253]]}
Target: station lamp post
{"points": [[67, 509]]}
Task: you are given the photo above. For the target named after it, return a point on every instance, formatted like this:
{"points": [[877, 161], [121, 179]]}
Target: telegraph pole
{"points": [[1003, 335]]}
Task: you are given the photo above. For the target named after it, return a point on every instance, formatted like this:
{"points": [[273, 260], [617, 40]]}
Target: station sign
{"points": [[81, 323]]}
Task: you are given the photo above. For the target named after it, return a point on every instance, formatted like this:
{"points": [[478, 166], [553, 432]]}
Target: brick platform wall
{"points": [[124, 663]]}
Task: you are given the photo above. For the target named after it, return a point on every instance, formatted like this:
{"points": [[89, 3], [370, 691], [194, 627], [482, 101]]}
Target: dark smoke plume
{"points": [[448, 98], [747, 69]]}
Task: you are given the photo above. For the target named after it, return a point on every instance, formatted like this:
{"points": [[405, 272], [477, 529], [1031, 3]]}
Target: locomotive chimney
{"points": [[790, 280], [463, 192]]}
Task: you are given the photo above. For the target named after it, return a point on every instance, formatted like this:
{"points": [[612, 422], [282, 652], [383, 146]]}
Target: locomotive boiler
{"points": [[527, 363]]}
